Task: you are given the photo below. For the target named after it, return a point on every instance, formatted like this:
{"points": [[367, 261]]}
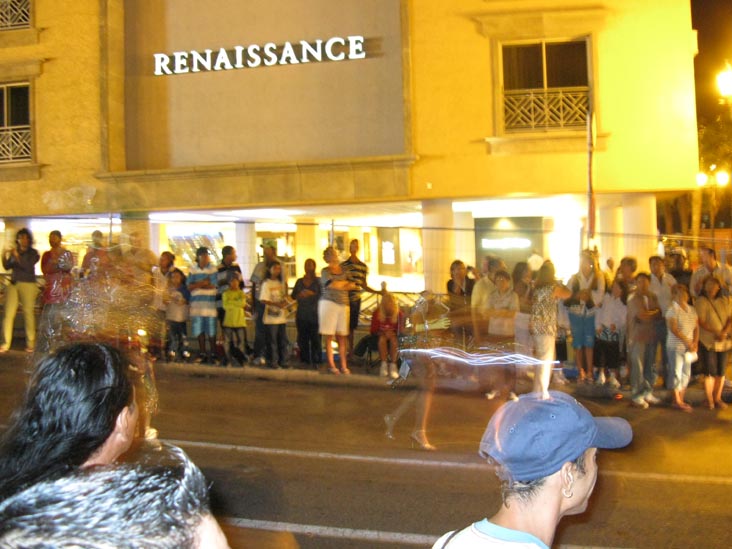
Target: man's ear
{"points": [[568, 472]]}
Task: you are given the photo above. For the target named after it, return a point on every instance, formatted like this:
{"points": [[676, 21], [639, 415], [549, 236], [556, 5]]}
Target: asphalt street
{"points": [[300, 460]]}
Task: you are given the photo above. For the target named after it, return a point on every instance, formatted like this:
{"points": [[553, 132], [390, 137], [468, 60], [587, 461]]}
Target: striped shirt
{"points": [[329, 293], [686, 322], [203, 300], [357, 272]]}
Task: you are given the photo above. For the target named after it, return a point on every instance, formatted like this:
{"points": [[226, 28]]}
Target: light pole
{"points": [[721, 179]]}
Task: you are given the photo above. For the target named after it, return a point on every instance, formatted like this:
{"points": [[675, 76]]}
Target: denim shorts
{"points": [[583, 330], [203, 325]]}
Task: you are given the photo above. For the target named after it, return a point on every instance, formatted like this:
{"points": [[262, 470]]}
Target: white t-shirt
{"points": [[485, 534], [273, 290]]}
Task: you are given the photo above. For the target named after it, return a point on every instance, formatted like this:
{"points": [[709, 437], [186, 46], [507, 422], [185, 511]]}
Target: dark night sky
{"points": [[713, 21]]}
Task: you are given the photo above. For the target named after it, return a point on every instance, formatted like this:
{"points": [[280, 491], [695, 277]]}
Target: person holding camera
{"points": [[21, 262], [588, 289]]}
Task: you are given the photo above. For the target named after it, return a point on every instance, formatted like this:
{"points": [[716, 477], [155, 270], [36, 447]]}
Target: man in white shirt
{"points": [[710, 266], [661, 284], [544, 451]]}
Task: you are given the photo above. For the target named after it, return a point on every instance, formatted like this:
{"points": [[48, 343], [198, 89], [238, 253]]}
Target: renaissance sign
{"points": [[336, 48]]}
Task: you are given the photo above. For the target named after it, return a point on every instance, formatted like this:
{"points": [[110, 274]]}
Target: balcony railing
{"points": [[526, 110], [14, 14], [15, 144]]}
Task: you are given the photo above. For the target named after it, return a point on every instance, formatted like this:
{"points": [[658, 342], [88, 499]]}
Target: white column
{"points": [[306, 245], [610, 230], [438, 243], [245, 236], [465, 237], [640, 232]]}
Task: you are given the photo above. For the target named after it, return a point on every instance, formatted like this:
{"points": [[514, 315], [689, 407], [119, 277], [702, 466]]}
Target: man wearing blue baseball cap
{"points": [[544, 451]]}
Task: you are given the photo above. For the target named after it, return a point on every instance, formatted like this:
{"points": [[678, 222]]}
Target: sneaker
{"points": [[639, 403], [260, 361], [383, 372], [650, 398], [491, 394], [200, 358], [612, 382], [600, 379], [559, 379]]}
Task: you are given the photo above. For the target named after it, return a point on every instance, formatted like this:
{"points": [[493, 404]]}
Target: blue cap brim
{"points": [[612, 432]]}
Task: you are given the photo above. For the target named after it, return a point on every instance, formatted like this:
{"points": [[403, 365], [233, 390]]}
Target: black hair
{"points": [[269, 268], [703, 291], [131, 506], [624, 289], [546, 275], [518, 271], [70, 408], [24, 231], [709, 251]]}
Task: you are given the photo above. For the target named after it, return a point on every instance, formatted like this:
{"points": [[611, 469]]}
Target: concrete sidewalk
{"points": [[363, 376]]}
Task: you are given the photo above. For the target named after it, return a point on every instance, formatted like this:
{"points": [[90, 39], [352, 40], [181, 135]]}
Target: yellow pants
{"points": [[24, 293]]}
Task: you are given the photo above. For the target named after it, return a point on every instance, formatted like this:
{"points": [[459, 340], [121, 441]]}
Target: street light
{"points": [[721, 179], [724, 83]]}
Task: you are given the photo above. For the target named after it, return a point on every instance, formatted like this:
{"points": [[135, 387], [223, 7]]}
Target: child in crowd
{"points": [[388, 323], [610, 322], [176, 315], [274, 297], [235, 335]]}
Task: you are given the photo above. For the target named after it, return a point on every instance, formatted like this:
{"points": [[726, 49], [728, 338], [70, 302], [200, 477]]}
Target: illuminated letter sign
{"points": [[335, 48]]}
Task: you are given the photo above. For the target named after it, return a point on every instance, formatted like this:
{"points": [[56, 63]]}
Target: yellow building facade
{"points": [[418, 114]]}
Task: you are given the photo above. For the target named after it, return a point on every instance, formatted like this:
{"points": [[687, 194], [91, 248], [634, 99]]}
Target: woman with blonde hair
{"points": [[388, 323], [333, 309]]}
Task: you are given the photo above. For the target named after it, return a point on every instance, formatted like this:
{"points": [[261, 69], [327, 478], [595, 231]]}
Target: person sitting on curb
{"points": [[544, 451]]}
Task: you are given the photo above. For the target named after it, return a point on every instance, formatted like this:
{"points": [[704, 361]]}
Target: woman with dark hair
{"points": [[459, 292], [21, 261], [543, 323], [523, 286], [79, 410], [715, 323]]}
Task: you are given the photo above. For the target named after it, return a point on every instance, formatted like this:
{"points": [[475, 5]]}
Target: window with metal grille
{"points": [[15, 130], [545, 85], [14, 14]]}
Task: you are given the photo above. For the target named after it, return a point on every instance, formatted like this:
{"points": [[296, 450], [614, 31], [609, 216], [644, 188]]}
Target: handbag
{"points": [[722, 346], [725, 344]]}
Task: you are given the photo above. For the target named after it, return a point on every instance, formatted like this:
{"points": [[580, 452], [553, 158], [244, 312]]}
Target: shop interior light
{"points": [[505, 243], [183, 217], [275, 227]]}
